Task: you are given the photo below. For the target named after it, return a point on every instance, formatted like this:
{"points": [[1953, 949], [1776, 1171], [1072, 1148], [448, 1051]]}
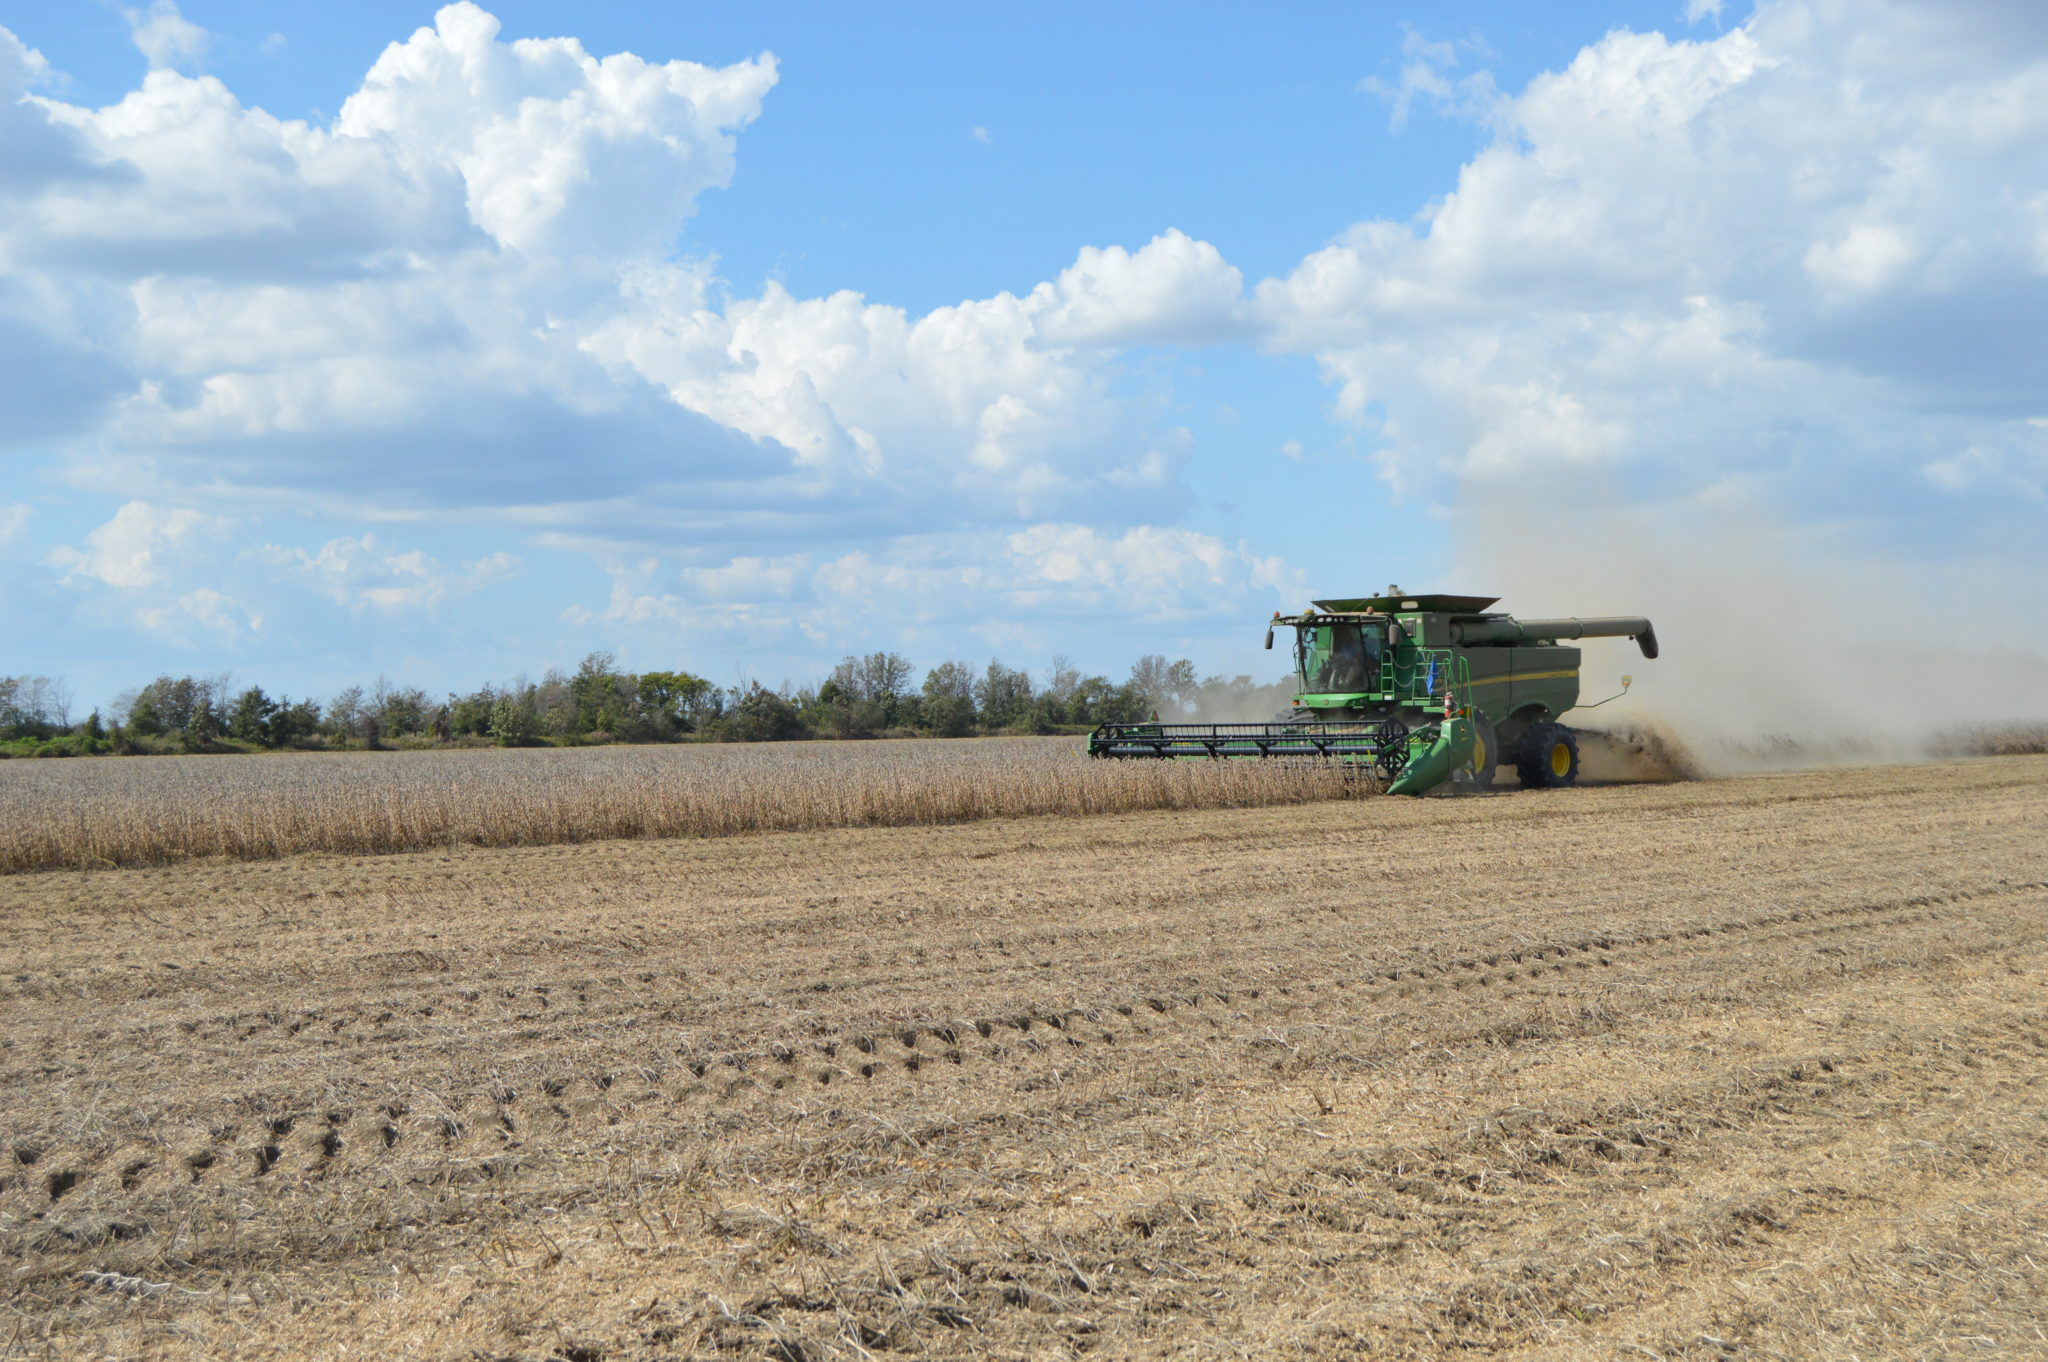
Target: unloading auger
{"points": [[1420, 689]]}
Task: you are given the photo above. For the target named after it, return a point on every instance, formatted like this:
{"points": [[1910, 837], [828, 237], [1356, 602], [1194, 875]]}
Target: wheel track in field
{"points": [[435, 1139], [1480, 969], [1498, 1172], [726, 1074], [542, 1003]]}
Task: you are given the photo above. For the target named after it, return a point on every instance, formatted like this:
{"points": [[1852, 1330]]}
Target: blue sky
{"points": [[359, 340]]}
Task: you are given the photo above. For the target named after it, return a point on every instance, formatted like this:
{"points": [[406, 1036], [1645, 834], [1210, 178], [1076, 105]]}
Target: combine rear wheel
{"points": [[1548, 757]]}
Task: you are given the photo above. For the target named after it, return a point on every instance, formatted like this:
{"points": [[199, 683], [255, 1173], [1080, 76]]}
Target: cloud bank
{"points": [[1791, 277], [472, 296]]}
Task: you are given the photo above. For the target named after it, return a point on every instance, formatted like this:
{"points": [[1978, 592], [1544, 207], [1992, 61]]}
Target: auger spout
{"points": [[1506, 630]]}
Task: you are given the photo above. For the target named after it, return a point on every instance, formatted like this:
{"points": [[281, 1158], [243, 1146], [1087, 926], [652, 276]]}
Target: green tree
{"points": [[345, 715], [252, 716], [174, 700], [294, 722], [955, 679], [601, 694], [761, 715], [201, 727], [681, 702], [400, 711], [144, 719], [33, 707], [845, 717], [1003, 696], [947, 708], [1169, 687], [554, 707], [948, 716], [513, 719], [1098, 700], [1055, 703], [878, 679], [470, 715]]}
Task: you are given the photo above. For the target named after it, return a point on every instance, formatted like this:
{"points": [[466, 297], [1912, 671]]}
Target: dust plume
{"points": [[1242, 700], [1782, 647], [1634, 754]]}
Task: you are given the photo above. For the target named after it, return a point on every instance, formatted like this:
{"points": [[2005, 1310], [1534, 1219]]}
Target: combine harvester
{"points": [[1421, 689]]}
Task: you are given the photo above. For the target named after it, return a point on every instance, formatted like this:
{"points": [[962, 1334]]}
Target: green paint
{"points": [[1404, 660]]}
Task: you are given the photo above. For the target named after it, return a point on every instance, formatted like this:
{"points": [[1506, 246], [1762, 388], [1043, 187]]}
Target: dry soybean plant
{"points": [[144, 811]]}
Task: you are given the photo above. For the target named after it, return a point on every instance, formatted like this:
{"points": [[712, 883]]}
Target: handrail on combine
{"points": [[1431, 673]]}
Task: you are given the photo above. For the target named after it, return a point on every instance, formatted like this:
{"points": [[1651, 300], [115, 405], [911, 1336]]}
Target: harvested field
{"points": [[1753, 1068], [153, 810]]}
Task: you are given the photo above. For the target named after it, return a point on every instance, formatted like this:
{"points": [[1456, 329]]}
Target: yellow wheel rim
{"points": [[1478, 754], [1560, 759]]}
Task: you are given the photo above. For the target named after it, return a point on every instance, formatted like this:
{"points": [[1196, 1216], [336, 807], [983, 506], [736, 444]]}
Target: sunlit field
{"points": [[1695, 1070]]}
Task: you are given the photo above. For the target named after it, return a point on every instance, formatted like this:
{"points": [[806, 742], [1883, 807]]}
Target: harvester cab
{"points": [[1421, 688]]}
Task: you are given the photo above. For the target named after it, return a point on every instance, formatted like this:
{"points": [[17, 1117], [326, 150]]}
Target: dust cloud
{"points": [[1782, 648], [1242, 700]]}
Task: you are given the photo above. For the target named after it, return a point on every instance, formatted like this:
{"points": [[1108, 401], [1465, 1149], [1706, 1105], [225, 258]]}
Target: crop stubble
{"points": [[1743, 1069]]}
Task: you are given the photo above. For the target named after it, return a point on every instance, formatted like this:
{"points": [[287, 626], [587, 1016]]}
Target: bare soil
{"points": [[1754, 1068]]}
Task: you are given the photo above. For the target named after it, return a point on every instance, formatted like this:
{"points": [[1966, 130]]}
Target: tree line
{"points": [[871, 695]]}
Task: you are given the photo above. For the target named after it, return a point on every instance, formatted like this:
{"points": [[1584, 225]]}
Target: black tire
{"points": [[1486, 743], [1547, 758]]}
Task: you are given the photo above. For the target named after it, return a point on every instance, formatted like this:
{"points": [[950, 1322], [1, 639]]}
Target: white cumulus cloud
{"points": [[133, 549], [1426, 66], [165, 36], [1172, 290], [935, 592], [364, 572], [558, 151], [205, 295], [968, 402], [466, 293], [203, 616], [1804, 249]]}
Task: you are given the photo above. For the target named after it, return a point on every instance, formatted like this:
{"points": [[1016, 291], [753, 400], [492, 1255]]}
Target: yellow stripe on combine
{"points": [[1526, 676]]}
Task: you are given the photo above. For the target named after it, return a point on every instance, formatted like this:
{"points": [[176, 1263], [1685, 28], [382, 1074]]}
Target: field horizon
{"points": [[104, 813]]}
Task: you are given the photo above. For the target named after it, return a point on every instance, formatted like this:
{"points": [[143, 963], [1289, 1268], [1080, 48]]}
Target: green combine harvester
{"points": [[1418, 689]]}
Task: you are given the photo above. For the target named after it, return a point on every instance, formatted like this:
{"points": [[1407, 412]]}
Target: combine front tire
{"points": [[1548, 757], [1485, 756]]}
